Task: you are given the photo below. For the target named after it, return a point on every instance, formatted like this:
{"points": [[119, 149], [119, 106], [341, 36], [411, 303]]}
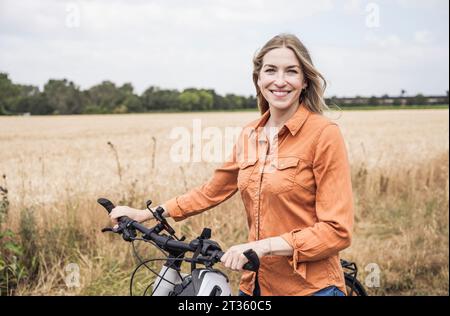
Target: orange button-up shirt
{"points": [[298, 188]]}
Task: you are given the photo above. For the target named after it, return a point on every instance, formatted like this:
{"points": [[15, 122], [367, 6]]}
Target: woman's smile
{"points": [[280, 93]]}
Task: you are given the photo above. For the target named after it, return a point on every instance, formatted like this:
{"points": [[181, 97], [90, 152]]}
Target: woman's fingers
{"points": [[227, 259], [137, 215], [242, 261], [114, 213], [117, 212], [239, 262], [234, 259], [224, 257]]}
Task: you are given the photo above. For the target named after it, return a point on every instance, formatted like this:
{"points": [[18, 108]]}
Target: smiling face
{"points": [[281, 79]]}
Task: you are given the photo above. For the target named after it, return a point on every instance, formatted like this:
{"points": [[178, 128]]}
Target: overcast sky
{"points": [[361, 47]]}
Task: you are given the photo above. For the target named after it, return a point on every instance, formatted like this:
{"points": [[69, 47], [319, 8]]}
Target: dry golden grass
{"points": [[56, 168]]}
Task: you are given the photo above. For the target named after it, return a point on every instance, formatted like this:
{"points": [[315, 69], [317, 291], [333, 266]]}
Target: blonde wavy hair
{"points": [[313, 96]]}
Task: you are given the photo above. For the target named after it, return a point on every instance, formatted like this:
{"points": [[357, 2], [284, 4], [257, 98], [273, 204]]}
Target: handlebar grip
{"points": [[253, 260], [107, 204]]}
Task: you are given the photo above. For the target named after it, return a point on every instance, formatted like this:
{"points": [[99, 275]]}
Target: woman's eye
{"points": [[270, 70], [293, 71]]}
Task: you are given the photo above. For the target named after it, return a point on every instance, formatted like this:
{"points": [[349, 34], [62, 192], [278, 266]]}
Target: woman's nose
{"points": [[280, 80]]}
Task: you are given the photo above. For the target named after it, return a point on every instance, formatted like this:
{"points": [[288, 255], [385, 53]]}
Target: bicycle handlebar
{"points": [[170, 244]]}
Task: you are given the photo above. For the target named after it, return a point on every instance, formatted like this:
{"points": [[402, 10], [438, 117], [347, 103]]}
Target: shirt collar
{"points": [[294, 124]]}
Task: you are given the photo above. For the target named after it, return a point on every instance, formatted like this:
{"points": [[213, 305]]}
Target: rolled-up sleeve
{"points": [[220, 187], [334, 202]]}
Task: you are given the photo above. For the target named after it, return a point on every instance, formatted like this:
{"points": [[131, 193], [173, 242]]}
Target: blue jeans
{"points": [[328, 291]]}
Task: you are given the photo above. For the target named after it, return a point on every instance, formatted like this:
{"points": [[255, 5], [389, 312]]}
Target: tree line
{"points": [[64, 97]]}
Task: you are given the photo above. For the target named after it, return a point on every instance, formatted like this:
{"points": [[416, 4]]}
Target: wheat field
{"points": [[55, 168]]}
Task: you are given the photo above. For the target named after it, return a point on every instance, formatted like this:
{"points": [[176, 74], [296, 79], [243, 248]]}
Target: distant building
{"points": [[386, 100]]}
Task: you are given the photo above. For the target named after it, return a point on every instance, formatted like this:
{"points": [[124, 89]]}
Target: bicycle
{"points": [[205, 281], [353, 285]]}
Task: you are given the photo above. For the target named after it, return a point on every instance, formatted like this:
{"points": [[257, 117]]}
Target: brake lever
{"points": [[158, 215], [111, 229]]}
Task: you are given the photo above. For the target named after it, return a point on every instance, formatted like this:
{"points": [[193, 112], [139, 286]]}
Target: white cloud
{"points": [[391, 41], [421, 4], [423, 37], [353, 6], [169, 43], [174, 44], [385, 65]]}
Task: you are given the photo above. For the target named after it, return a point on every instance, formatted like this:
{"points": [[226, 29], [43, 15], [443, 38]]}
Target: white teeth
{"points": [[280, 93]]}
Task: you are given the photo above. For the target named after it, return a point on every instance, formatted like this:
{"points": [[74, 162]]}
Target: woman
{"points": [[292, 171]]}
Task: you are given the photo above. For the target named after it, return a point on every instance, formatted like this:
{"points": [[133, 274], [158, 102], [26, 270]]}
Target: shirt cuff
{"points": [[174, 209], [298, 267], [289, 239]]}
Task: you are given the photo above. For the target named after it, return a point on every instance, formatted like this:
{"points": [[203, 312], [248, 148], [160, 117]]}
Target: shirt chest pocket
{"points": [[281, 174], [245, 171]]}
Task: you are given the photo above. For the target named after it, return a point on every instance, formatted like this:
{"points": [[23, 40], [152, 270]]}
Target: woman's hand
{"points": [[235, 259], [135, 214]]}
